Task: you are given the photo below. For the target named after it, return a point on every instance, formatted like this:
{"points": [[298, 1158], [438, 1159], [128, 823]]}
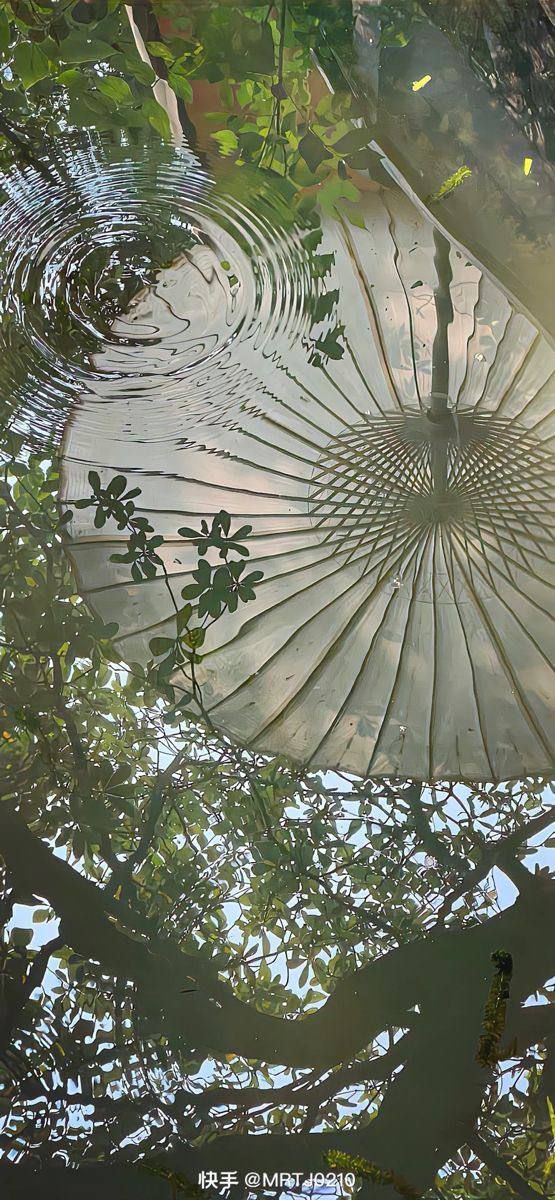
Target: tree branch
{"points": [[300, 1093], [21, 993], [124, 870], [493, 853], [501, 1169], [527, 1026], [376, 997]]}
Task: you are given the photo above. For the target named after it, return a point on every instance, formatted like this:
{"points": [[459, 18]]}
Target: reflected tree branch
{"points": [[501, 1169]]}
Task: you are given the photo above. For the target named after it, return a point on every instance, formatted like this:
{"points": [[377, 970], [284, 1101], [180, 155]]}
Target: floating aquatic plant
{"points": [[453, 181]]}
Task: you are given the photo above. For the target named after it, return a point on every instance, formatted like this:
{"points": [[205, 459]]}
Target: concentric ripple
{"points": [[133, 277]]}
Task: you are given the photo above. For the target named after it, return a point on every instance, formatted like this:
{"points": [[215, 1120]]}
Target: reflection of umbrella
{"points": [[400, 502]]}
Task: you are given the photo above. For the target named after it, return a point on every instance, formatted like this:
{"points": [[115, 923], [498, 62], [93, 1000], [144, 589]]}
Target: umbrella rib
{"points": [[343, 394], [488, 502], [499, 344], [471, 335], [362, 668], [517, 417], [431, 726], [393, 691], [373, 319], [303, 388], [508, 578], [502, 658], [352, 620], [359, 371], [391, 228], [515, 378], [448, 559]]}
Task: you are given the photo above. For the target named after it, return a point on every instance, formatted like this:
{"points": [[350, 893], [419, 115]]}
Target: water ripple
{"points": [[133, 277]]}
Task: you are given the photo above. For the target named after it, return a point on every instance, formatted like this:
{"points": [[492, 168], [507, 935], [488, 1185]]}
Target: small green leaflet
{"points": [[116, 89], [180, 85], [30, 63], [158, 118]]}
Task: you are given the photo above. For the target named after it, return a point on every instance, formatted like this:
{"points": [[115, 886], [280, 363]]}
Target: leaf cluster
{"points": [[114, 503]]}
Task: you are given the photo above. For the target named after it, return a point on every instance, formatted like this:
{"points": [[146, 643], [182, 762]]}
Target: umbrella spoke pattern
{"points": [[403, 626]]}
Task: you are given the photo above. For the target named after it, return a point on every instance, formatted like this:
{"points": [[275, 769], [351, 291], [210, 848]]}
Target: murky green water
{"points": [[276, 681]]}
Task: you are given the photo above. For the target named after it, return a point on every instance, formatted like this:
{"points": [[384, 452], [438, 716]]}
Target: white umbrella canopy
{"points": [[404, 624]]}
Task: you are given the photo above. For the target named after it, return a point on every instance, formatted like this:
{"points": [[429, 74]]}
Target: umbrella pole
{"points": [[438, 412]]}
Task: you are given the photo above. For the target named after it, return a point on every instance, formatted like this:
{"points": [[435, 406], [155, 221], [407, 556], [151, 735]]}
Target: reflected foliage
{"points": [[512, 47], [199, 942]]}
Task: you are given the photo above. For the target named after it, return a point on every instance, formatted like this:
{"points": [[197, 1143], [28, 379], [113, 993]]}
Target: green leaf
{"points": [[79, 49], [30, 63], [245, 93], [160, 645], [158, 118], [263, 53], [356, 139], [166, 666], [312, 150], [4, 33], [41, 915], [227, 141], [180, 85], [21, 937], [334, 190], [117, 485], [250, 143], [72, 76], [194, 638], [116, 89], [110, 630], [183, 617], [140, 71], [159, 50], [449, 185], [551, 1111]]}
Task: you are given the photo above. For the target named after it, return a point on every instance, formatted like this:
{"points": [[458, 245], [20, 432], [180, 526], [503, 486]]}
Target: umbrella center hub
{"points": [[382, 483]]}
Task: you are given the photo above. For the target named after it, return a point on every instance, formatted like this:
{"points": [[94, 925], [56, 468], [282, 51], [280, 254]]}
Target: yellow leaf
{"points": [[7, 735], [420, 83], [527, 165]]}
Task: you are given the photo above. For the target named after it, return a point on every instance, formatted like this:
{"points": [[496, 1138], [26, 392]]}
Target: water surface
{"points": [[276, 392]]}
